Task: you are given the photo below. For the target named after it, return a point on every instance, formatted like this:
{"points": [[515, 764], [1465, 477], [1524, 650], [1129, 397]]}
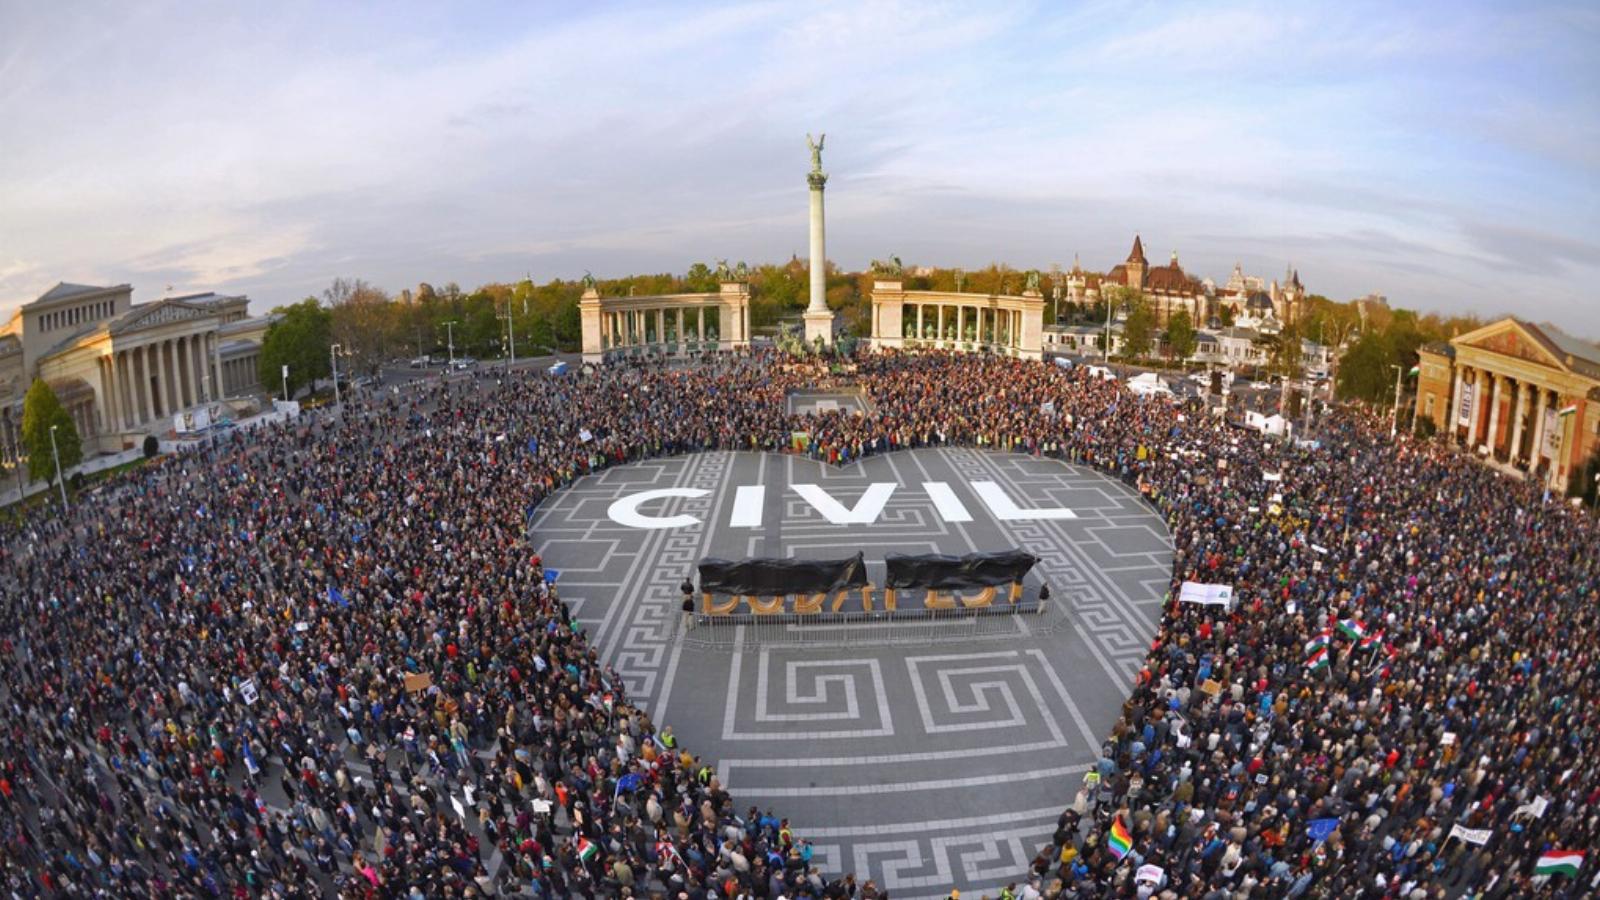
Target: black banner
{"points": [[776, 577], [937, 571]]}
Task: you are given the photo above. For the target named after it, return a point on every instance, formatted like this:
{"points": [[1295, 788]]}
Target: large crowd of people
{"points": [[320, 658]]}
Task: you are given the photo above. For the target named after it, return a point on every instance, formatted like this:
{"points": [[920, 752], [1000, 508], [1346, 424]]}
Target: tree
{"points": [[1225, 315], [1364, 369], [364, 322], [1181, 340], [299, 339], [1139, 328], [40, 412]]}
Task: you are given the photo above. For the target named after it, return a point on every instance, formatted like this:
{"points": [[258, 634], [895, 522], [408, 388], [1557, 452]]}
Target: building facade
{"points": [[1526, 396], [952, 320], [668, 324], [121, 369], [1168, 289]]}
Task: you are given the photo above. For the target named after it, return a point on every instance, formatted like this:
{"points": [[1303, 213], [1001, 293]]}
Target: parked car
{"points": [[464, 363], [421, 362]]}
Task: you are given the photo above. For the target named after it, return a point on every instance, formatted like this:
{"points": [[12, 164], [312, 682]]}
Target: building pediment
{"points": [[1509, 337], [162, 312]]}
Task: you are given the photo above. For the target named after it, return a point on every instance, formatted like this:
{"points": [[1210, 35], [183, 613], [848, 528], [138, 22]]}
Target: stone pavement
{"points": [[926, 767]]}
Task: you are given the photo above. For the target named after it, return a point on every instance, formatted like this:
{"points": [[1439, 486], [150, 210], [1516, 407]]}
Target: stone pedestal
{"points": [[818, 325]]}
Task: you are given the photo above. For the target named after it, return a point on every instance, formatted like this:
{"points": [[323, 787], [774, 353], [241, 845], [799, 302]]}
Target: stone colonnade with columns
{"points": [[1514, 397], [156, 379], [948, 320], [620, 327]]}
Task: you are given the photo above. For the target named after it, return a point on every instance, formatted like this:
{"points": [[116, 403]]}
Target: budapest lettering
{"points": [[749, 503]]}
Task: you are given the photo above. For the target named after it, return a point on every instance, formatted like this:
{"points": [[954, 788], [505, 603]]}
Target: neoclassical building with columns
{"points": [[620, 327], [1526, 396], [121, 369], [951, 320]]}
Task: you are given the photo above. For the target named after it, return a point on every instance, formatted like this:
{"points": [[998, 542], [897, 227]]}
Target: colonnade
{"points": [[1498, 416], [949, 323], [155, 380], [623, 328]]}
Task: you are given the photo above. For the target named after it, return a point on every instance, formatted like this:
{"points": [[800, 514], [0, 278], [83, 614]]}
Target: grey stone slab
{"points": [[926, 767]]}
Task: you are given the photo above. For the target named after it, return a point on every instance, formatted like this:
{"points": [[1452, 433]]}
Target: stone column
{"points": [[147, 398], [191, 361], [1456, 377], [700, 324], [180, 377], [165, 365], [677, 331], [961, 323], [1519, 411], [1494, 413], [818, 319], [1540, 397], [216, 364]]}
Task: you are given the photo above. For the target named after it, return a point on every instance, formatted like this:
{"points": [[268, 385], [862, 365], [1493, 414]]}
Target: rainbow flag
{"points": [[1353, 629], [1559, 862], [1119, 840]]}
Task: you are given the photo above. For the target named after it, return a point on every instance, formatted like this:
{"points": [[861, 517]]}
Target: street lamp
{"points": [[450, 337], [1394, 425], [57, 454], [511, 336], [333, 356], [286, 382]]}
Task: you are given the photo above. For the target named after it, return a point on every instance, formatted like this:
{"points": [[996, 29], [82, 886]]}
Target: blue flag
{"points": [[533, 445], [627, 782], [1319, 829], [336, 597], [550, 575]]}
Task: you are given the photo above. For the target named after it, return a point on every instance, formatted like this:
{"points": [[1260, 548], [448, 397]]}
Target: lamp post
{"points": [[57, 454], [286, 382], [450, 339], [511, 336], [333, 357], [1394, 424]]}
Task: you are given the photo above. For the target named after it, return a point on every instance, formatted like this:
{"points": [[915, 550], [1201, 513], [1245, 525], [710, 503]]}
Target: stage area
{"points": [[937, 763]]}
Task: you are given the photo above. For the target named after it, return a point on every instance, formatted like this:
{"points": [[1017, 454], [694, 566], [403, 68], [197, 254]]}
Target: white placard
{"points": [[247, 690], [1206, 594]]}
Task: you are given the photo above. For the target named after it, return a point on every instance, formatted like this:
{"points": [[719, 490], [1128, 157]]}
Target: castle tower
{"points": [[1137, 265]]}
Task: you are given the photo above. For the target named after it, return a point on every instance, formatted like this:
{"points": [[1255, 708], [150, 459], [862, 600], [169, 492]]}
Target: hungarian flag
{"points": [[1353, 629], [586, 849], [1120, 841], [1560, 862], [1317, 653], [1568, 410], [1371, 640], [1414, 371]]}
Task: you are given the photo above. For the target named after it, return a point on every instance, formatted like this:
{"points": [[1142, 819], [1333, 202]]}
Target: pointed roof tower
{"points": [[1136, 255]]}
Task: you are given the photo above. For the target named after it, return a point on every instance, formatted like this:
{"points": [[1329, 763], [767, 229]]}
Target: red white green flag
{"points": [[1353, 629], [1560, 862], [586, 849]]}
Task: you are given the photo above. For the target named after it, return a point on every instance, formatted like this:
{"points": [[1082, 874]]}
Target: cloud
{"points": [[268, 151]]}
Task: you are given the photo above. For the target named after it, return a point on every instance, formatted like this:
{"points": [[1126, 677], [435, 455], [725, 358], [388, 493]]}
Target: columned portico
{"points": [[666, 324], [949, 320], [1522, 395]]}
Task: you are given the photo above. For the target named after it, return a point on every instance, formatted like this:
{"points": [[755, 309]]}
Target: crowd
{"points": [[321, 659]]}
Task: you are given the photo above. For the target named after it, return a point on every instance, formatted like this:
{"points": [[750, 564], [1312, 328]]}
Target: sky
{"points": [[1442, 154]]}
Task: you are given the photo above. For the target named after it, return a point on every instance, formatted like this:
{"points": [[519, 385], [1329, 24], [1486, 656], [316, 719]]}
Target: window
{"points": [[1428, 407]]}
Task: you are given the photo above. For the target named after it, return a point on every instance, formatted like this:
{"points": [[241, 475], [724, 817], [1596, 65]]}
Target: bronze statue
{"points": [[1032, 283], [816, 150], [588, 281], [723, 274]]}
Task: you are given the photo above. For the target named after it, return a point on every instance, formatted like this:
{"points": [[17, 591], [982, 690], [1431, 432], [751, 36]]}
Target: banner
{"points": [[1464, 414], [1150, 874], [777, 577], [1206, 594], [938, 571], [1479, 836], [1552, 434], [291, 408]]}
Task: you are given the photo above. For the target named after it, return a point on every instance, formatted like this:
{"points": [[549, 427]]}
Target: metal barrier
{"points": [[727, 634]]}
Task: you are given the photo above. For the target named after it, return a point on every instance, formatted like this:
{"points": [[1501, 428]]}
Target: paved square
{"points": [[931, 766]]}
